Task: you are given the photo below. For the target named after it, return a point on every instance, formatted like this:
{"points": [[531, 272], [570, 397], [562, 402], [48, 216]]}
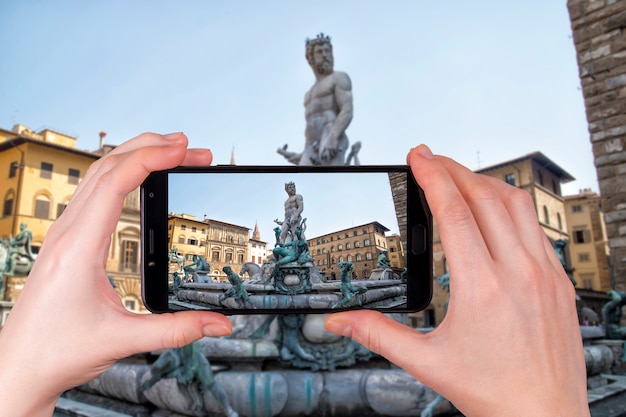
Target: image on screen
{"points": [[288, 241]]}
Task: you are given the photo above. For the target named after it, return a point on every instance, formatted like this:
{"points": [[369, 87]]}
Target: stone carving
{"points": [[328, 111], [559, 248], [612, 315], [20, 257], [193, 374], [199, 265], [347, 289], [383, 261], [174, 258], [237, 290]]}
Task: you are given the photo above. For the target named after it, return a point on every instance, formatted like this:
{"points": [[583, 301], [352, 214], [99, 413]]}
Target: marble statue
{"points": [[328, 110], [294, 205], [347, 289], [20, 258], [193, 374]]}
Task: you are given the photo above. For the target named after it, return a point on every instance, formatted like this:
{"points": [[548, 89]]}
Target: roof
{"points": [[11, 143], [540, 159]]}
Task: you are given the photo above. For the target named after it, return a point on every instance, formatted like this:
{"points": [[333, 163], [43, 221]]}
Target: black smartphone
{"points": [[285, 239]]}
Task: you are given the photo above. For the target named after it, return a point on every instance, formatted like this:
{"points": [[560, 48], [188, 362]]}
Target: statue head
{"points": [[227, 269], [319, 54], [22, 226], [290, 187]]}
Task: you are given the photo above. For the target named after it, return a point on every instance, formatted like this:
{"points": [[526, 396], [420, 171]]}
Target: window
{"points": [[215, 256], [73, 176], [540, 175], [365, 231], [192, 241], [7, 207], [348, 246], [559, 221], [368, 256], [358, 257], [60, 209], [339, 247], [240, 258], [46, 170], [510, 179], [229, 257], [347, 235], [203, 231], [577, 208], [183, 227], [181, 239], [42, 207], [323, 250], [546, 217], [332, 248], [349, 258], [193, 229], [355, 233], [341, 259], [555, 188], [357, 244], [130, 305], [241, 240], [130, 250], [584, 257], [319, 251], [366, 242], [392, 249], [582, 236], [13, 169]]}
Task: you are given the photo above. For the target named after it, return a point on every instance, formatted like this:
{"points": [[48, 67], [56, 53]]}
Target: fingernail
{"points": [[339, 327], [216, 330], [171, 136], [425, 152]]}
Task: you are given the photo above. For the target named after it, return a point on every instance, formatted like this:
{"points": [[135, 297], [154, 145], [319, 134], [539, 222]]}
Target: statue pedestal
{"points": [[381, 274], [293, 278]]}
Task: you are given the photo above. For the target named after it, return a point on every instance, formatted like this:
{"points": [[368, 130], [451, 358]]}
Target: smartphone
{"points": [[285, 239]]}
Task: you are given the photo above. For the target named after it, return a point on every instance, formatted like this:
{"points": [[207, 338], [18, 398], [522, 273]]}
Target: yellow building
{"points": [[41, 172], [588, 243], [220, 243], [360, 245]]}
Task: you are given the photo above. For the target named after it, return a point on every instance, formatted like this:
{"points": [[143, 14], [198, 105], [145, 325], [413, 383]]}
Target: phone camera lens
{"points": [[151, 195]]}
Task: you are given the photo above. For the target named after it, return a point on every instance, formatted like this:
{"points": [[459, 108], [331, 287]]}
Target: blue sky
{"points": [[332, 202], [480, 81]]}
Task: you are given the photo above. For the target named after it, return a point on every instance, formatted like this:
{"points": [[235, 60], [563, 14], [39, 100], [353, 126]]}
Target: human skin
{"points": [[69, 324], [510, 344]]}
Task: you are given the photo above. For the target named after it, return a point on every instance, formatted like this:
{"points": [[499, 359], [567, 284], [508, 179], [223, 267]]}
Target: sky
{"points": [[326, 198], [482, 82]]}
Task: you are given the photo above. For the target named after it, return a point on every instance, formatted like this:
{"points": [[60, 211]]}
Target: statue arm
{"points": [[343, 99]]}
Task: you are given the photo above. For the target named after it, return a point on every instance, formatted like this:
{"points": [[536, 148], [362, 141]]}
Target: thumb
{"points": [[173, 330], [383, 335]]}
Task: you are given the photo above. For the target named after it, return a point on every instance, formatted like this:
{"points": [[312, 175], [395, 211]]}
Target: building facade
{"points": [[588, 244], [220, 243], [360, 245], [40, 172]]}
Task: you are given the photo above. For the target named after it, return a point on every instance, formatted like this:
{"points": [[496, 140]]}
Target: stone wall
{"points": [[599, 31]]}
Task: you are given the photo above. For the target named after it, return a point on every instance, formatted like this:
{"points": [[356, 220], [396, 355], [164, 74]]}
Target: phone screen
{"points": [[240, 241]]}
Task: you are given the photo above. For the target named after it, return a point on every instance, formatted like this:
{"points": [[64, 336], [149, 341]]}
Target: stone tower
{"points": [[599, 30]]}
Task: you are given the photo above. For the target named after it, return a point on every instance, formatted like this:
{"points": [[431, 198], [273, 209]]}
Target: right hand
{"points": [[510, 343]]}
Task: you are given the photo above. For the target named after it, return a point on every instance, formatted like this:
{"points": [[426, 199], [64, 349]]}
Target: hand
{"points": [[510, 343], [69, 324]]}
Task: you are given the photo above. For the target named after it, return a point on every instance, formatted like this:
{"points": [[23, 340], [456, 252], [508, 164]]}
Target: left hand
{"points": [[69, 324]]}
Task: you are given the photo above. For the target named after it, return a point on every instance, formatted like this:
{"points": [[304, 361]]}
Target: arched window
{"points": [[358, 257], [9, 202], [357, 244], [42, 207], [559, 221], [546, 217], [348, 246]]}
